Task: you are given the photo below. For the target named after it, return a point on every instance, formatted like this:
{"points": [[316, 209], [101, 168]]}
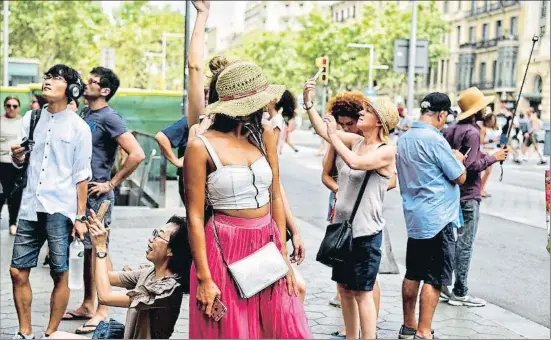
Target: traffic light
{"points": [[323, 62]]}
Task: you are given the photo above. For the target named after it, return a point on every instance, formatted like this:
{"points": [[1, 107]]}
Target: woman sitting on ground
{"points": [[154, 294]]}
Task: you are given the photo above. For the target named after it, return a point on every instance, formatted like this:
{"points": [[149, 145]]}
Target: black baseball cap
{"points": [[436, 102]]}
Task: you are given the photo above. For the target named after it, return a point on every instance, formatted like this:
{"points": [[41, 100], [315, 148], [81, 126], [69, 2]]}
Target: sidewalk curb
{"points": [[500, 316]]}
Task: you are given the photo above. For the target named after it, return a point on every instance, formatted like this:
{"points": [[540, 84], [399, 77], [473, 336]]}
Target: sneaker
{"points": [[517, 161], [445, 293], [467, 300], [335, 303], [542, 162], [409, 333], [20, 335], [45, 336]]}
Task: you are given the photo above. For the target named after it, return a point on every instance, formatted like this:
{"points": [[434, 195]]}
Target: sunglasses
{"points": [[92, 81], [10, 106], [156, 234]]}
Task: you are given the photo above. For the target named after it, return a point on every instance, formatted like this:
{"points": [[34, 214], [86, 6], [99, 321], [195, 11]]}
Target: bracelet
{"points": [[308, 108]]}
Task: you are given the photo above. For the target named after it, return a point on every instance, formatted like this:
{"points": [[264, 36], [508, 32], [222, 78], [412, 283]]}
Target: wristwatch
{"points": [[81, 218], [101, 254]]}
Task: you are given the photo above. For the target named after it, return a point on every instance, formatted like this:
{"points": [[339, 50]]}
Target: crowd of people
{"points": [[237, 211]]}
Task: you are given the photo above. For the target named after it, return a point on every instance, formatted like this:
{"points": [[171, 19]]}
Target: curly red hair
{"points": [[347, 104]]}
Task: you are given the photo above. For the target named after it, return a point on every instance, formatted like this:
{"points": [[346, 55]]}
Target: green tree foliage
{"points": [[74, 32], [56, 32], [289, 57]]}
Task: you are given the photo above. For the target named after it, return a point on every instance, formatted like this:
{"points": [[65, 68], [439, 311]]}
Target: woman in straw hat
{"points": [[235, 162], [366, 155]]}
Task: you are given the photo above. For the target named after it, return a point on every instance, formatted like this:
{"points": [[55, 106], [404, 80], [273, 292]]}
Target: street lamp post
{"points": [[371, 61]]}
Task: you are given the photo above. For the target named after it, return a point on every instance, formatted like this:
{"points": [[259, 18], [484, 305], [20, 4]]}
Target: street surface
{"points": [[510, 267]]}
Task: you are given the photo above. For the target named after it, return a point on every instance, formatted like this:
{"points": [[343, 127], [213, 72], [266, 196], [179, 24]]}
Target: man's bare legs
{"points": [[428, 302], [22, 294]]}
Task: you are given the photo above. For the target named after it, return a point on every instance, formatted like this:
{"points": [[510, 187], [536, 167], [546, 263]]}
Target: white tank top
{"points": [[237, 187]]}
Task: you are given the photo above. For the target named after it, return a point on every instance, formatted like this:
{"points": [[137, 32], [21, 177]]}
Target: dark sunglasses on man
{"points": [[10, 106]]}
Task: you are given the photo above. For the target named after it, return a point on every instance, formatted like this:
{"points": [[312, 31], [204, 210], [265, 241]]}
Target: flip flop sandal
{"points": [[75, 316], [87, 329]]}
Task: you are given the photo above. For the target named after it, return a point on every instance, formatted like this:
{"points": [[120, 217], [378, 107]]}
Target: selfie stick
{"points": [[535, 38]]}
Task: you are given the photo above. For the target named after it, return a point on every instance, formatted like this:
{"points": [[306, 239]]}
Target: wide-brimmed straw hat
{"points": [[471, 101], [387, 112], [243, 89]]}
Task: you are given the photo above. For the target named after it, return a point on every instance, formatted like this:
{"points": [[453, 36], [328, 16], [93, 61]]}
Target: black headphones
{"points": [[75, 90]]}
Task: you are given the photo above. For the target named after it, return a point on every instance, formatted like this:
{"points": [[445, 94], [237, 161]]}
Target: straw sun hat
{"points": [[243, 89], [472, 101], [387, 112]]}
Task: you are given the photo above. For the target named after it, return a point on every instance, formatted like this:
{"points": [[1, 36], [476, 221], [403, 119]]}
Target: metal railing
{"points": [[487, 43], [487, 85], [148, 181], [474, 12]]}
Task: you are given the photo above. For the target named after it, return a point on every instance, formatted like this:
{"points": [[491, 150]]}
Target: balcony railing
{"points": [[487, 43], [492, 7], [488, 85]]}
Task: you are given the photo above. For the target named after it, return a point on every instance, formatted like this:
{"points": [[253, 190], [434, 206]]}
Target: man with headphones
{"points": [[56, 158], [108, 133]]}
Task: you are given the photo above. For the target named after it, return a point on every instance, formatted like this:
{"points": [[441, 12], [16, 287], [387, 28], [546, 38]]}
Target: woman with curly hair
{"points": [[368, 162]]}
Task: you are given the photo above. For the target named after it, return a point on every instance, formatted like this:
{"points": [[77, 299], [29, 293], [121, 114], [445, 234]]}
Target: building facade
{"points": [[488, 47], [344, 11], [275, 16]]}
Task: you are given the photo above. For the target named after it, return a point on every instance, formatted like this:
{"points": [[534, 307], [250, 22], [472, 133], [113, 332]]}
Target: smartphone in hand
{"points": [[318, 74], [218, 309], [103, 209], [465, 149]]}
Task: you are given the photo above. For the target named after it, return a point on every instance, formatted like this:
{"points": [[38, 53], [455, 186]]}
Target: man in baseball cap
{"points": [[429, 174]]}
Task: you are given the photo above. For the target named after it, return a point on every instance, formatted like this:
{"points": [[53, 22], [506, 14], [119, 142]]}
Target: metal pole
{"points": [[6, 44], [164, 61], [371, 60], [411, 63], [186, 49]]}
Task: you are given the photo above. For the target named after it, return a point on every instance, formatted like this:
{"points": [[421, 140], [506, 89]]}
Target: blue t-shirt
{"points": [[178, 133], [427, 169], [106, 125]]}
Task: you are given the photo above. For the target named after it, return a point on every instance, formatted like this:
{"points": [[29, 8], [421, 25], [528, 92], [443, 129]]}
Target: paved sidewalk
{"points": [[132, 226]]}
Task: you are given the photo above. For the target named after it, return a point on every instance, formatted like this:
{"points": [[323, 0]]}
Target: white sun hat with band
{"points": [[242, 90]]}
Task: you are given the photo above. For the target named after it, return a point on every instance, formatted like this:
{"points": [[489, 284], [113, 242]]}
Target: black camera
{"points": [[27, 144]]}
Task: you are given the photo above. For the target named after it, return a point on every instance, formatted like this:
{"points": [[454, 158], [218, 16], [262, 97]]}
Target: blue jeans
{"points": [[31, 236], [464, 245], [94, 203]]}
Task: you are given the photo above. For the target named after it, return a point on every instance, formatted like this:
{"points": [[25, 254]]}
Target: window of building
{"points": [[342, 15], [485, 35], [499, 29], [427, 78], [486, 5], [543, 11], [446, 6], [472, 35], [442, 73], [301, 4], [337, 16], [459, 4], [494, 73], [482, 74], [354, 11], [513, 26], [458, 30]]}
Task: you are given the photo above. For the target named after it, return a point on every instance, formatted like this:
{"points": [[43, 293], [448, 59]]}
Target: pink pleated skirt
{"points": [[272, 313]]}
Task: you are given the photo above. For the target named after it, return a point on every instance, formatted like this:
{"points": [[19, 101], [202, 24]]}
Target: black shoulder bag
{"points": [[21, 181], [337, 243]]}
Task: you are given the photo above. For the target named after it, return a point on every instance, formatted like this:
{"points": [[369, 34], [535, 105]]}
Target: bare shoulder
{"points": [[389, 149], [267, 126], [195, 147]]}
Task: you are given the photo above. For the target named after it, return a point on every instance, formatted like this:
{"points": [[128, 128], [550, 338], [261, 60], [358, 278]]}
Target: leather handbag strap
{"points": [[360, 195]]}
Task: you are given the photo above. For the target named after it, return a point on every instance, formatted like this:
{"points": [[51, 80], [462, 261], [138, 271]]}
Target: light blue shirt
{"points": [[426, 171]]}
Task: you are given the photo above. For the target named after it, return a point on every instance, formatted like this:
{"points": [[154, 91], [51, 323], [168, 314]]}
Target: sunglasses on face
{"points": [[56, 78], [155, 234], [92, 81], [10, 106]]}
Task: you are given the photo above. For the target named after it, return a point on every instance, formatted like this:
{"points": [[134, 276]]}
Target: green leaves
{"points": [[289, 57], [74, 32]]}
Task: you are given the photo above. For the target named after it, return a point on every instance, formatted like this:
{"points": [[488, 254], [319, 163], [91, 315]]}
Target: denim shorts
{"points": [[94, 203], [31, 236], [360, 271]]}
